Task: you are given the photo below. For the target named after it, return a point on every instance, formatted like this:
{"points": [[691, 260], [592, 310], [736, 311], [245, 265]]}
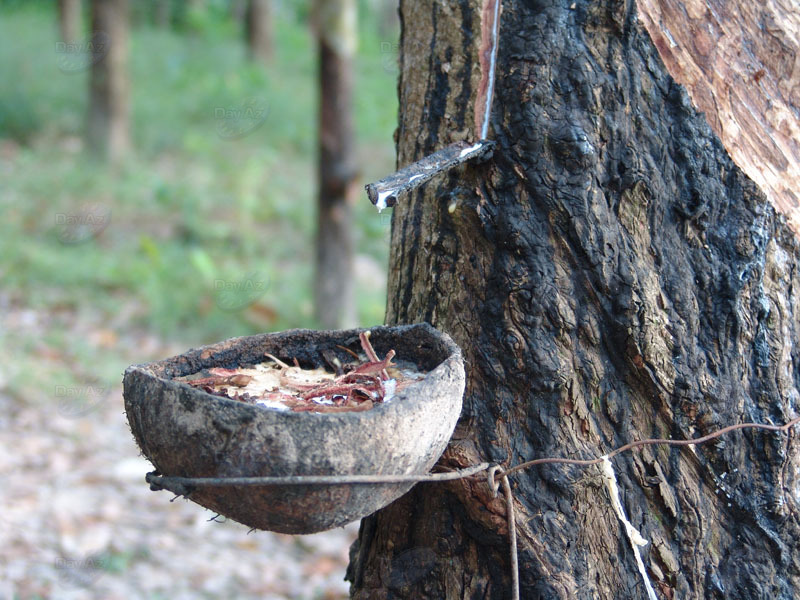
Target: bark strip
{"points": [[384, 193]]}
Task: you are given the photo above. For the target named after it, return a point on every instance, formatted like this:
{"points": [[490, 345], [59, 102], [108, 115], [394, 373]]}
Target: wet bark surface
{"points": [[610, 275]]}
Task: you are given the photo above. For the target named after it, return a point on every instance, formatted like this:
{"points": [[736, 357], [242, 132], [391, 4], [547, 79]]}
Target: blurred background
{"points": [[165, 183]]}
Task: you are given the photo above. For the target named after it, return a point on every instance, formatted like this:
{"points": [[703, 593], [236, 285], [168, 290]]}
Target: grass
{"points": [[197, 237]]}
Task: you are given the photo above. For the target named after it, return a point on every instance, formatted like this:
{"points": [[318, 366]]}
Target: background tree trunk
{"points": [[239, 10], [69, 20], [611, 275], [258, 25], [334, 303], [108, 127], [163, 13]]}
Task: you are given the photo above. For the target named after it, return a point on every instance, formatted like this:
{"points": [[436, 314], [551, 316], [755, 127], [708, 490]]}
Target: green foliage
{"points": [[208, 195]]}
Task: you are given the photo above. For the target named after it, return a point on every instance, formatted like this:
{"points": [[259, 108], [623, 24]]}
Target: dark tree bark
{"points": [[610, 275], [258, 25], [334, 303], [69, 20], [108, 131]]}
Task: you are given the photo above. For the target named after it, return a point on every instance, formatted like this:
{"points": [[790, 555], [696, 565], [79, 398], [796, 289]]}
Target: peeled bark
{"points": [[610, 275], [334, 302], [258, 22], [108, 119], [69, 20], [739, 62]]}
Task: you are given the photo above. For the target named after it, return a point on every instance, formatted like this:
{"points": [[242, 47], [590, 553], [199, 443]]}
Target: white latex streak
{"points": [[635, 538], [492, 64]]}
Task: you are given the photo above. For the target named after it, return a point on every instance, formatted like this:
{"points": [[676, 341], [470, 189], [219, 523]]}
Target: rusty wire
{"points": [[649, 442]]}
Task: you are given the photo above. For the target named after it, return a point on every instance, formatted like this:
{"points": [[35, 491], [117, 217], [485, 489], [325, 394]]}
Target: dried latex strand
{"points": [[635, 538]]}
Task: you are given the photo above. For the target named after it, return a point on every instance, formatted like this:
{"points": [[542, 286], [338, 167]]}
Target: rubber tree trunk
{"points": [[610, 275], [108, 130], [258, 24], [334, 301], [69, 20]]}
